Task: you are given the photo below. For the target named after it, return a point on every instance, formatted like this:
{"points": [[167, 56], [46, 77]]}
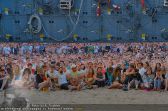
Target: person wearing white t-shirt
{"points": [[52, 74], [96, 49], [62, 79], [82, 70], [142, 72], [6, 50]]}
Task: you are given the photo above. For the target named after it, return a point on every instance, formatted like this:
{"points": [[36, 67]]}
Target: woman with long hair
{"points": [[41, 80], [26, 78], [109, 76], [99, 77], [158, 78], [116, 81], [16, 74], [129, 74], [89, 78]]}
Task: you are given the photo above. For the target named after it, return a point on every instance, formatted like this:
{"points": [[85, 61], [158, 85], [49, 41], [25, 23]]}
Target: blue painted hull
{"points": [[116, 21]]}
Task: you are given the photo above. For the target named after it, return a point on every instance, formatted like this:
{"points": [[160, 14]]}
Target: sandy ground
{"points": [[96, 96]]}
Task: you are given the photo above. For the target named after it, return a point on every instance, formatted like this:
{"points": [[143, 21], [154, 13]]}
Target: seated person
{"points": [[89, 78], [116, 81], [62, 79], [82, 70], [17, 74], [136, 80], [149, 79], [26, 79], [128, 74], [158, 80], [163, 68], [123, 70], [109, 76], [166, 80], [41, 80], [74, 78], [52, 75], [8, 70], [3, 79], [99, 77], [132, 77]]}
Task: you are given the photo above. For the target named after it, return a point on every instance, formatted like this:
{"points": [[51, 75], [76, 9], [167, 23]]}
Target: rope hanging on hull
{"points": [[33, 28]]}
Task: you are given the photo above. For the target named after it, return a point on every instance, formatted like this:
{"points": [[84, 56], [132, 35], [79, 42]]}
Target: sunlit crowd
{"points": [[80, 66]]}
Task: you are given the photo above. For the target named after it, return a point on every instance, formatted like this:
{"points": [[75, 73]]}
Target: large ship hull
{"points": [[85, 21]]}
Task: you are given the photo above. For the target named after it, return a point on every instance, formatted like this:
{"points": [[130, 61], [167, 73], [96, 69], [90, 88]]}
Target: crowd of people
{"points": [[78, 66]]}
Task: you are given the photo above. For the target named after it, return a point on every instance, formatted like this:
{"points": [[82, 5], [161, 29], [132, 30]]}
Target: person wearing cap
{"points": [[74, 78], [74, 72]]}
